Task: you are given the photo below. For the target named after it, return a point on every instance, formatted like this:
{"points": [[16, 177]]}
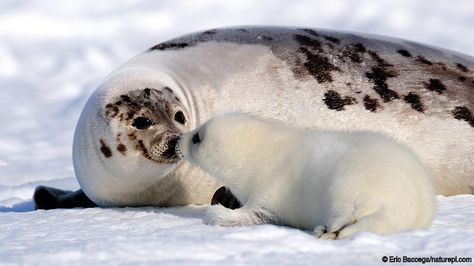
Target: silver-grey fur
{"points": [[418, 94]]}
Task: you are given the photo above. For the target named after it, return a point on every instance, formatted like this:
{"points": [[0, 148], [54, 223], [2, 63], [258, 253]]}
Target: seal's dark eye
{"points": [[196, 138], [142, 122], [179, 117]]}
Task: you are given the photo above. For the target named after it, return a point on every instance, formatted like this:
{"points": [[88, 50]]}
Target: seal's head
{"points": [[228, 146], [125, 139], [148, 120]]}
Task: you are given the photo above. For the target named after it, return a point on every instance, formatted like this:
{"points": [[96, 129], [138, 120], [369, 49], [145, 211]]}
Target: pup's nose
{"points": [[196, 138]]}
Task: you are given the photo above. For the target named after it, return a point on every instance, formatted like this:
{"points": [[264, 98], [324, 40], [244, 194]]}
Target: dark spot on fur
{"points": [[310, 31], [354, 57], [210, 32], [371, 104], [318, 66], [177, 99], [359, 47], [354, 52], [435, 85], [130, 115], [148, 104], [332, 39], [462, 67], [132, 136], [462, 78], [125, 98], [168, 89], [141, 102], [105, 149], [169, 46], [379, 76], [380, 61], [463, 113], [404, 52], [167, 106], [334, 101], [141, 147], [309, 42], [122, 148], [111, 110], [414, 100], [147, 92], [423, 60]]}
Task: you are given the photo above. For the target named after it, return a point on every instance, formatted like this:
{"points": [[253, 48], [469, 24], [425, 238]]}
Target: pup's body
{"points": [[336, 183]]}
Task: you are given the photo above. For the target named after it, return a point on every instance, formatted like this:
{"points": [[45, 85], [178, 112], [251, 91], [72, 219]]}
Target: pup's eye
{"points": [[180, 118], [196, 138], [142, 122]]}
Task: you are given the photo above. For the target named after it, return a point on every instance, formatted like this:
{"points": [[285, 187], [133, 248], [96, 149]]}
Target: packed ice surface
{"points": [[177, 236], [53, 54]]}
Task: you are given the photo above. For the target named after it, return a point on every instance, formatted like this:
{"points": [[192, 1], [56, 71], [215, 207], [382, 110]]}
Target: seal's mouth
{"points": [[170, 152], [162, 150], [177, 150]]}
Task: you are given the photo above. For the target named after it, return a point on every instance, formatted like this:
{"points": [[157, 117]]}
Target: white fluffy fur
{"points": [[335, 183]]}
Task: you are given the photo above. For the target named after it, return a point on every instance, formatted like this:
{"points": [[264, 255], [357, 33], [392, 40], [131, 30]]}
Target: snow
{"points": [[178, 236], [54, 53]]}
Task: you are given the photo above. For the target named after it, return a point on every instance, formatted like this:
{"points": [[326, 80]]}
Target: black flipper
{"points": [[52, 198], [224, 197]]}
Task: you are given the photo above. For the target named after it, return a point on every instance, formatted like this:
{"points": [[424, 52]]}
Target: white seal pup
{"points": [[336, 183], [419, 95]]}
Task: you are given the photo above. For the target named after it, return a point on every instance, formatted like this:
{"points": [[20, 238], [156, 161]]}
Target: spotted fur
{"points": [[104, 148], [435, 85], [334, 101], [152, 104], [414, 100], [301, 76], [320, 54], [370, 103]]}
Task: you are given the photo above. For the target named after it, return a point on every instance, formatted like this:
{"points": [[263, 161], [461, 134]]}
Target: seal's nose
{"points": [[171, 139], [196, 138]]}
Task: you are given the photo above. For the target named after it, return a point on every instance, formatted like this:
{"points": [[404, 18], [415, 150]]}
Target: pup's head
{"points": [[223, 144]]}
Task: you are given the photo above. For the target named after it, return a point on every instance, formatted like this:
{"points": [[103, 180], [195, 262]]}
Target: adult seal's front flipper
{"points": [[52, 198], [224, 197]]}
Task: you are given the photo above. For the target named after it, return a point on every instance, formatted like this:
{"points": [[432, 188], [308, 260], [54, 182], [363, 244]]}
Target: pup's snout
{"points": [[196, 138]]}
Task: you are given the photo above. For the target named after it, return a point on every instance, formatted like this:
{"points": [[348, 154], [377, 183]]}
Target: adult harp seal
{"points": [[420, 95]]}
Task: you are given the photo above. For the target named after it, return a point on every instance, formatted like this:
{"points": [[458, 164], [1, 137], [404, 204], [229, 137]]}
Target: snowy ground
{"points": [[54, 53], [178, 236]]}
